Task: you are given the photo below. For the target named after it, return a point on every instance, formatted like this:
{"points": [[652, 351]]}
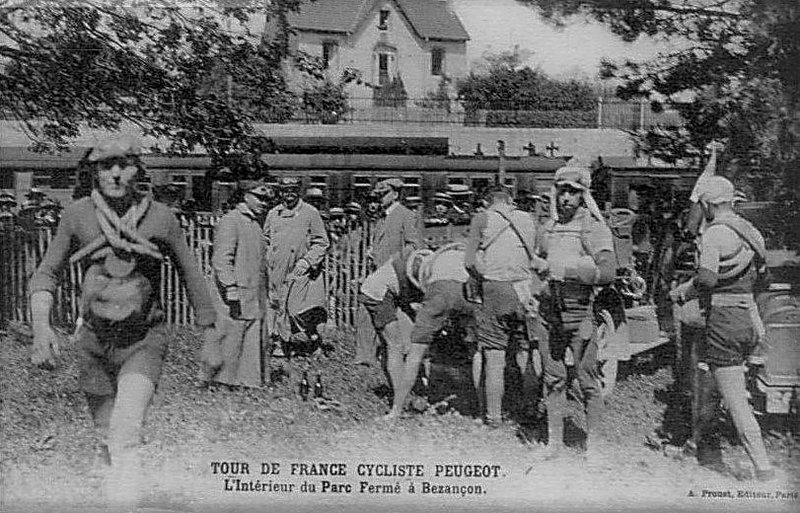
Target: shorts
{"points": [[730, 336], [101, 362], [501, 318], [443, 300]]}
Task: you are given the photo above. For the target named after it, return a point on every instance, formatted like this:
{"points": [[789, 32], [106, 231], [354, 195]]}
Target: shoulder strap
{"points": [[485, 245], [514, 227], [746, 232]]}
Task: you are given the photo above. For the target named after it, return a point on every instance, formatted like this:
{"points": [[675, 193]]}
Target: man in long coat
{"points": [[239, 264], [296, 246]]}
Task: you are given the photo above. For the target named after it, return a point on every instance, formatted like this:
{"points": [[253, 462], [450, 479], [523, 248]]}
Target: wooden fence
{"points": [[21, 252]]}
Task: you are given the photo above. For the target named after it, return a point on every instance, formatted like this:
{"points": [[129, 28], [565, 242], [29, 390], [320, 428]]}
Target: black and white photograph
{"points": [[399, 255]]}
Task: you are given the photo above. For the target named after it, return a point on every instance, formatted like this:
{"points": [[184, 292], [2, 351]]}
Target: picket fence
{"points": [[21, 252]]}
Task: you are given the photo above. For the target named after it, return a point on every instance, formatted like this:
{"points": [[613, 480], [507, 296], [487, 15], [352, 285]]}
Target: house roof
{"points": [[430, 19]]}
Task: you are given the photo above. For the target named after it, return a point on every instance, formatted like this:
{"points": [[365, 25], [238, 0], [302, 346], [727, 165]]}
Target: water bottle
{"points": [[318, 391], [304, 386]]}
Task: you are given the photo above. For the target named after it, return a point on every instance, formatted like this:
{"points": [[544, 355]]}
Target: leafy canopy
{"points": [[737, 61], [198, 74]]}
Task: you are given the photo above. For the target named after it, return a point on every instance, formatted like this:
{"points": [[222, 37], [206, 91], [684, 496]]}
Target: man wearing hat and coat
{"points": [[296, 245], [239, 263], [578, 247], [395, 231], [732, 255], [121, 236]]}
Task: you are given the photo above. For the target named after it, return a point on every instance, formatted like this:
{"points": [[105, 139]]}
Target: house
{"points": [[418, 41]]}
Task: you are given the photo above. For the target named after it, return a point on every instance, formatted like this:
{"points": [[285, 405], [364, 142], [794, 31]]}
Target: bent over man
{"points": [[579, 250], [732, 253], [123, 237]]}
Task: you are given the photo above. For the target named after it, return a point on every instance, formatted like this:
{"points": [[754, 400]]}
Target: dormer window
{"points": [[383, 19], [328, 53]]}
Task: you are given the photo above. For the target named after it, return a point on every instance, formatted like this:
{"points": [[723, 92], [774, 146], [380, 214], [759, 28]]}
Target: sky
{"points": [[572, 52]]}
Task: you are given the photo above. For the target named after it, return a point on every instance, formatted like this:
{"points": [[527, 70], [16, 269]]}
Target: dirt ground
{"points": [[48, 461]]}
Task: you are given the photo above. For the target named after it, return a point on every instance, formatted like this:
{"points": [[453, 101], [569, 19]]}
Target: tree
{"points": [[505, 84], [199, 75], [737, 63]]}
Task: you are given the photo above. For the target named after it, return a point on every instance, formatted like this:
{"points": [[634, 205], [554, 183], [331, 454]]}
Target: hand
{"points": [[676, 295], [211, 350], [539, 264], [45, 348], [300, 268], [235, 309]]}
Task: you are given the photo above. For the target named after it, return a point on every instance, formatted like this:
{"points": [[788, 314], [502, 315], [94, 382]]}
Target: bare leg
{"points": [[406, 383], [495, 367], [134, 393]]}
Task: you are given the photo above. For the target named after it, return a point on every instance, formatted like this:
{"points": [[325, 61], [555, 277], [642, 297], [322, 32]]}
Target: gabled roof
{"points": [[430, 19]]}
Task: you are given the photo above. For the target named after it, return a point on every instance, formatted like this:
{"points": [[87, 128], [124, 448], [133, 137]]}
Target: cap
{"points": [[7, 197], [442, 196], [336, 212], [256, 188], [578, 177], [715, 189], [314, 192], [457, 188], [413, 200], [390, 184], [115, 147], [34, 191], [289, 182], [352, 208]]}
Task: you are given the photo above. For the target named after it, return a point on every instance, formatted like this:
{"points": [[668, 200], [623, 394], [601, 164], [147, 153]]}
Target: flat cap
{"points": [[442, 196], [390, 184], [314, 192], [335, 212], [115, 147], [715, 189], [289, 182], [7, 197], [353, 208], [256, 188]]}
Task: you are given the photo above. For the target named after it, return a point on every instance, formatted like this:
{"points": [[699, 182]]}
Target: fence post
{"points": [[642, 102], [599, 112]]}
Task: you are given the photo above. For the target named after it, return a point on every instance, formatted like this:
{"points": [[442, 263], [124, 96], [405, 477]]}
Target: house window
{"points": [[383, 19], [320, 181], [437, 61], [328, 53], [383, 69]]}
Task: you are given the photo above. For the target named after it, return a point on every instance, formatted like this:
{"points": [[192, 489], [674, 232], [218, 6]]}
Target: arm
{"points": [[225, 241], [45, 341], [190, 272], [599, 265], [318, 242], [476, 227], [411, 231]]}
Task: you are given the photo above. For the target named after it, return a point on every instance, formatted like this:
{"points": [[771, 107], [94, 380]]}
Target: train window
{"points": [[41, 178], [455, 180], [481, 184], [179, 179], [60, 178], [362, 181], [317, 181], [411, 185]]}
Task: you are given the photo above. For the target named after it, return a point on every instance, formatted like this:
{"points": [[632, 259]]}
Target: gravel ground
{"points": [[48, 461]]}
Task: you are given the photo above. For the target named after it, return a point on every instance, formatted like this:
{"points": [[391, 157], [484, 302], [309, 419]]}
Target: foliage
{"points": [[507, 85], [542, 118], [438, 99], [198, 75], [737, 62], [327, 100], [392, 94]]}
